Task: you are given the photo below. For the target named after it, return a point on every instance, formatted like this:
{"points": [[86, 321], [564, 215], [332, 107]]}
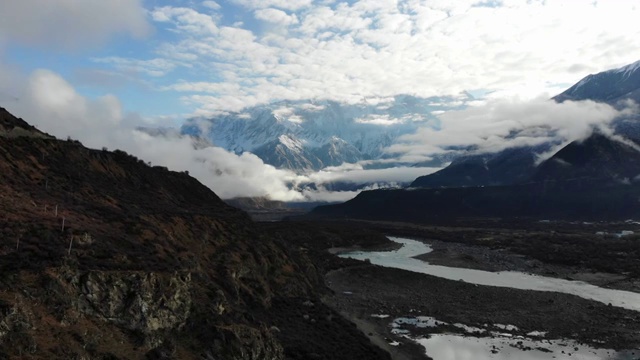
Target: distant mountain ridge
{"points": [[595, 179], [311, 135], [509, 166], [608, 86], [515, 165], [597, 158]]}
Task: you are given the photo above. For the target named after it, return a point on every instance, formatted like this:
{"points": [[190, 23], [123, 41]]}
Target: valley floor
{"points": [[564, 250]]}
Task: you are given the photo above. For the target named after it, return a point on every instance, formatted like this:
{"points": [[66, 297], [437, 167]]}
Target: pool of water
{"points": [[457, 347]]}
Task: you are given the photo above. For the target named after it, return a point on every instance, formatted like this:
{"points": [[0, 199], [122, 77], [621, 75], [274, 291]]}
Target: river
{"points": [[403, 258], [501, 345]]}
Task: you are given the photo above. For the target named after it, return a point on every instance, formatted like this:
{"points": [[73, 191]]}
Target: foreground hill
{"points": [[593, 179], [105, 257]]}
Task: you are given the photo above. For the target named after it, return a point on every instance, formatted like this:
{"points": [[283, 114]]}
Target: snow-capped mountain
{"points": [[310, 135], [608, 86], [515, 165]]}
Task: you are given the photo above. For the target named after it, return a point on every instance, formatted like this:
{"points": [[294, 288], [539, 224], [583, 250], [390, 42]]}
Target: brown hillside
{"points": [[105, 257]]}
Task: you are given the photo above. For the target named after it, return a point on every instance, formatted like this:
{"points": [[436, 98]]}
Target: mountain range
{"points": [[516, 165], [311, 135], [594, 178]]}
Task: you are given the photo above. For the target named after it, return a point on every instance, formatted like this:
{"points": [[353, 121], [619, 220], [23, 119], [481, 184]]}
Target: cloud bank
{"points": [[508, 123], [349, 50]]}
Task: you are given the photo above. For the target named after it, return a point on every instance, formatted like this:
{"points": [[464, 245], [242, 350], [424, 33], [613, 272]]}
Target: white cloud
{"points": [[348, 51], [275, 16], [281, 4], [353, 173], [186, 20], [48, 23], [384, 120], [154, 67], [211, 5], [506, 123]]}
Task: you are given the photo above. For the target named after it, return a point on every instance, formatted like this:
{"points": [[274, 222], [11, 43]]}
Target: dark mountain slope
{"points": [[507, 167], [106, 257], [565, 201], [515, 165], [11, 126], [590, 188], [597, 158]]}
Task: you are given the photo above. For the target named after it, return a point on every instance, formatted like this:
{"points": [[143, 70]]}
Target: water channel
{"points": [[403, 258], [500, 346]]}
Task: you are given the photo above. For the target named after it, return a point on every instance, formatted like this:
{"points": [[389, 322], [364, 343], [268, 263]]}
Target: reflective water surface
{"points": [[456, 347], [501, 344], [403, 259]]}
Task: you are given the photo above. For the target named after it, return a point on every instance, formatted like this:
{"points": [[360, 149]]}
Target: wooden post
{"points": [[63, 224], [70, 243]]}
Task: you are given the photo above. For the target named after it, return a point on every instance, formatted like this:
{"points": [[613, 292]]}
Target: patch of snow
{"points": [[499, 334], [628, 70], [537, 333], [506, 327], [624, 233], [420, 321], [582, 82], [470, 329], [290, 143]]}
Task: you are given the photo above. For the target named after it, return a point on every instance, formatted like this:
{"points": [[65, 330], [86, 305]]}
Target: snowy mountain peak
{"points": [[312, 134], [608, 86], [291, 143], [628, 69]]}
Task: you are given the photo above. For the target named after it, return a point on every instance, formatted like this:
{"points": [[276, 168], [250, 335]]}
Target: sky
{"points": [[96, 70]]}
